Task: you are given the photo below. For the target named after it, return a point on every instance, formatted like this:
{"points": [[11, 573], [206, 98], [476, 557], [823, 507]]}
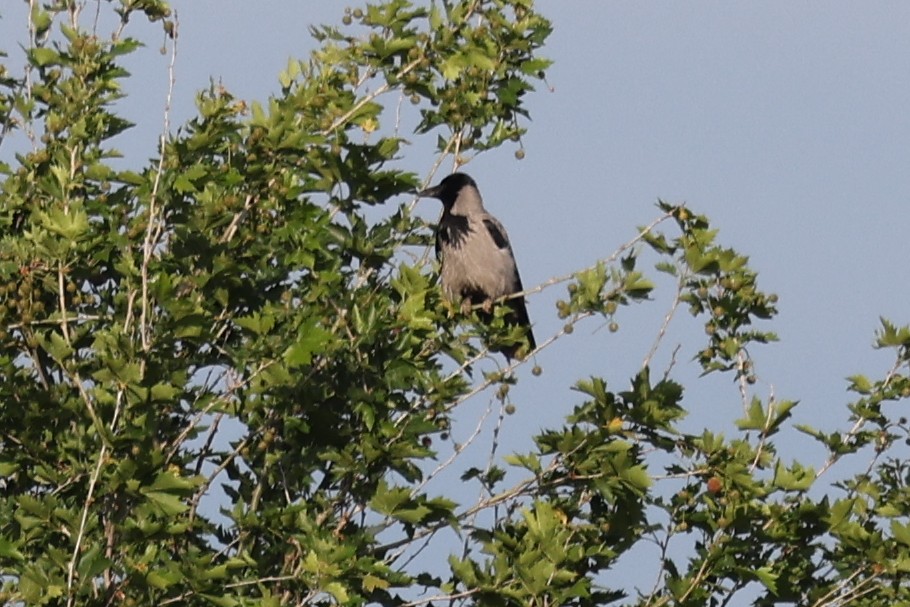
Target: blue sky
{"points": [[786, 123]]}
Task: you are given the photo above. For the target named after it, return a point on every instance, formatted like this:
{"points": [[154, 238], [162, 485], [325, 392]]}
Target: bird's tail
{"points": [[518, 316]]}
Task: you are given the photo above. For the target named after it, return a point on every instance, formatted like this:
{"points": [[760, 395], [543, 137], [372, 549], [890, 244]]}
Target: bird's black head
{"points": [[447, 190]]}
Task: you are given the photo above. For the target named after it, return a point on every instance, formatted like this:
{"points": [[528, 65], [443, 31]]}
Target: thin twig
{"points": [[702, 570], [442, 597], [89, 498], [32, 44], [764, 433], [459, 447], [672, 362], [64, 326], [154, 228], [842, 585], [663, 327], [742, 381], [239, 215]]}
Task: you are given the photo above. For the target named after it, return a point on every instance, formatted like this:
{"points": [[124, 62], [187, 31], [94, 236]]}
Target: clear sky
{"points": [[788, 123]]}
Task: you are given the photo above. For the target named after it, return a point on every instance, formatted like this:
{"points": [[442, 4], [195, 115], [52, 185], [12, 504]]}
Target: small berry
{"points": [[510, 409], [519, 154], [613, 326]]}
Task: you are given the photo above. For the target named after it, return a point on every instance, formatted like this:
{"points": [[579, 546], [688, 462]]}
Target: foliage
{"points": [[225, 380]]}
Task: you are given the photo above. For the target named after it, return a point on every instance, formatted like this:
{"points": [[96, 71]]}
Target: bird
{"points": [[477, 264]]}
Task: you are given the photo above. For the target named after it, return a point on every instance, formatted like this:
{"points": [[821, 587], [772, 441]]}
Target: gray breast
{"points": [[477, 263]]}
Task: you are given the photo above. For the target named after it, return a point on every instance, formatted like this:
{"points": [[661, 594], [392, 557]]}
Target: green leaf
{"points": [[840, 513], [767, 577], [338, 591], [860, 384], [167, 503], [890, 335], [371, 582], [161, 579], [71, 224], [164, 392], [92, 563], [221, 600], [311, 340], [43, 56], [125, 46], [168, 481], [795, 478], [756, 419], [41, 20], [637, 476], [388, 499], [130, 178], [10, 550], [900, 532], [257, 323], [412, 515], [529, 462], [56, 346]]}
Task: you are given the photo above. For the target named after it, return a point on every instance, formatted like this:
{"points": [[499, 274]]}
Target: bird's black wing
{"points": [[519, 311], [497, 232]]}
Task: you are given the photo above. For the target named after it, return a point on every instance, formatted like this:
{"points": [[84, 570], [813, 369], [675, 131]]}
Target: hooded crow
{"points": [[478, 266]]}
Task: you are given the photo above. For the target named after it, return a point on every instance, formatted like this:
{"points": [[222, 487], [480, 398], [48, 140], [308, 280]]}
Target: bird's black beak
{"points": [[429, 192]]}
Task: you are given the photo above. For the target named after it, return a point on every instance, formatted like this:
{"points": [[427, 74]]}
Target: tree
{"points": [[249, 314]]}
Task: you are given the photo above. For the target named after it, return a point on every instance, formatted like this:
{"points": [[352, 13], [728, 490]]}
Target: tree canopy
{"points": [[228, 375]]}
